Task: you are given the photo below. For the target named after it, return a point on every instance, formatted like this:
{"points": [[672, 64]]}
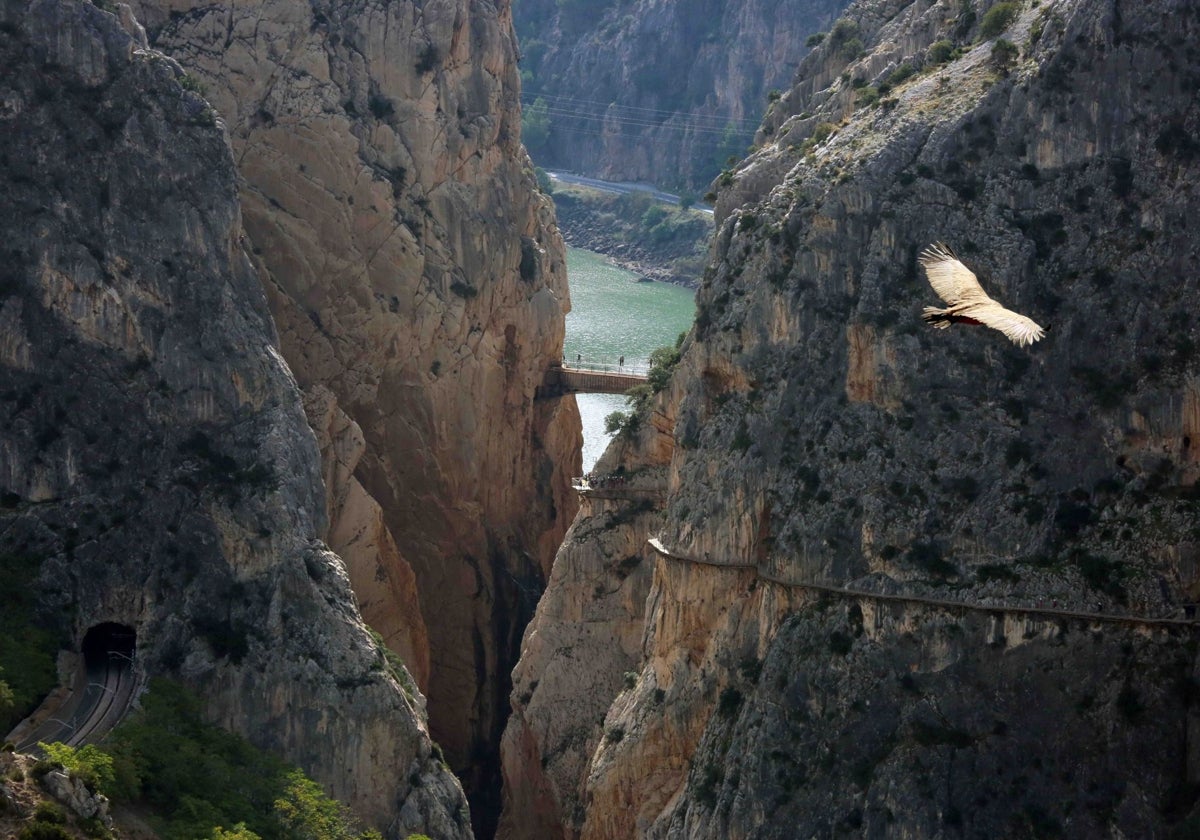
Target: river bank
{"points": [[653, 240]]}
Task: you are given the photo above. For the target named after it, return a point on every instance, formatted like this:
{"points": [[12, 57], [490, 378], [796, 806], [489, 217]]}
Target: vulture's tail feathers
{"points": [[938, 318]]}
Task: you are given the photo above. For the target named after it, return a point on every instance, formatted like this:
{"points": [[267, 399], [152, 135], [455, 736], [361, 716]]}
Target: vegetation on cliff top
{"points": [[199, 781], [662, 363], [665, 242], [27, 648]]}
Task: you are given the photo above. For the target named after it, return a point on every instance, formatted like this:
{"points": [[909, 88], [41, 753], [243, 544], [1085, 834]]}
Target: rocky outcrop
{"points": [[659, 92], [153, 447], [417, 277], [917, 581]]}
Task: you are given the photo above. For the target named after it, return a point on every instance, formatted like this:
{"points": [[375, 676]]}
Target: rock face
{"points": [[659, 91], [153, 446], [914, 582], [419, 288]]}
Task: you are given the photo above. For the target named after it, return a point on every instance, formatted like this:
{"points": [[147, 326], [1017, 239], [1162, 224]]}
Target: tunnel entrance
{"points": [[110, 681], [108, 639], [100, 696]]}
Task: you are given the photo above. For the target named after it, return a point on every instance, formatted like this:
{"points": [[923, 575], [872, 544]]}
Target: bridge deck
{"points": [[566, 380]]}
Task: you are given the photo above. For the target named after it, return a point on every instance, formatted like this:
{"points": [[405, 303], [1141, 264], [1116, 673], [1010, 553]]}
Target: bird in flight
{"points": [[968, 302]]}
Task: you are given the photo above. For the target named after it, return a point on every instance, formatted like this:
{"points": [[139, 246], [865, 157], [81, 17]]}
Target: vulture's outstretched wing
{"points": [[953, 281], [967, 301], [1017, 327]]}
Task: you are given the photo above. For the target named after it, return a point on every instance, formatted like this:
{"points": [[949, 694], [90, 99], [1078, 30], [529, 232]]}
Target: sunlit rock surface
{"points": [[824, 436], [153, 446], [416, 275]]}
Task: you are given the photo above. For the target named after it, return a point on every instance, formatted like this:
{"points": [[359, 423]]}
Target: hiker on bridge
{"points": [[621, 362]]}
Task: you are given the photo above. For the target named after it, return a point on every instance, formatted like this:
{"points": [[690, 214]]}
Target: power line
{"points": [[687, 120], [710, 140], [609, 119], [638, 112], [616, 119]]}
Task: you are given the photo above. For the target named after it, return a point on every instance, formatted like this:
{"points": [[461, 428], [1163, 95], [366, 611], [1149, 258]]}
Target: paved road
{"points": [[622, 188]]}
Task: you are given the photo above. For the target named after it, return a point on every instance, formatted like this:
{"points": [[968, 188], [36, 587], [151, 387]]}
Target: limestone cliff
{"points": [[418, 284], [154, 452], [915, 582], [663, 92]]}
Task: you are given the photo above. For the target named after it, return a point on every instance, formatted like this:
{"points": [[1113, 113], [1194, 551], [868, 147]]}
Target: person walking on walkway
{"points": [[621, 362]]}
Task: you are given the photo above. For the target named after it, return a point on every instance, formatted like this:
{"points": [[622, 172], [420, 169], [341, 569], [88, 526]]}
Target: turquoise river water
{"points": [[613, 315]]}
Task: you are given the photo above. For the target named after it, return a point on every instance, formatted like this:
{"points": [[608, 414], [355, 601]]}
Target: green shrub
{"points": [[427, 60], [851, 49], [654, 215], [965, 486], [194, 777], [1102, 574], [709, 784], [1004, 53], [662, 363], [996, 571], [751, 669], [393, 664], [238, 832], [934, 734], [1129, 704], [814, 40], [941, 52], [50, 812], [901, 74], [27, 649], [614, 735], [306, 813], [927, 557], [1035, 32], [189, 82], [44, 831], [840, 643], [843, 30], [380, 106], [463, 290], [729, 702], [88, 763], [867, 97], [998, 19], [741, 437], [620, 422]]}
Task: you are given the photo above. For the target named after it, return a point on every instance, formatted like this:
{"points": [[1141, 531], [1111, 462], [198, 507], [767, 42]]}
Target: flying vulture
{"points": [[968, 302]]}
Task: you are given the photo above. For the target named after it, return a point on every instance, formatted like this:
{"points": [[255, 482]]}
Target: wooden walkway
{"points": [[997, 609], [562, 380], [630, 492]]}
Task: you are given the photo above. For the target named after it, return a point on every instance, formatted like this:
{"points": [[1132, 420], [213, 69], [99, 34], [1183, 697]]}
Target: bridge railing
{"points": [[608, 367]]}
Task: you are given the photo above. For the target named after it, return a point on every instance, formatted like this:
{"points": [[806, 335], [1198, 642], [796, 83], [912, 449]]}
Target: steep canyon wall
{"points": [[417, 281], [154, 451], [817, 434], [659, 92]]}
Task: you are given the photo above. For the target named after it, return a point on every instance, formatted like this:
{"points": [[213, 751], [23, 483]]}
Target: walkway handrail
{"points": [[1117, 618], [606, 367]]}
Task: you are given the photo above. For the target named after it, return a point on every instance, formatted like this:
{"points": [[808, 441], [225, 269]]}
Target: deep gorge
{"points": [[281, 289]]}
